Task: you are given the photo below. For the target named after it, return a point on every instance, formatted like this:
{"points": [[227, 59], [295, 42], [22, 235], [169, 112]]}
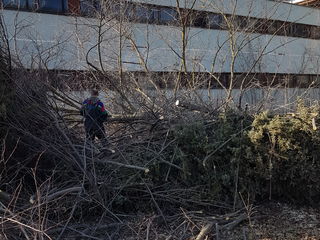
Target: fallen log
{"points": [[204, 231], [146, 170]]}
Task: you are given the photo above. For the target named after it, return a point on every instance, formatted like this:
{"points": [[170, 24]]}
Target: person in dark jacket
{"points": [[95, 114]]}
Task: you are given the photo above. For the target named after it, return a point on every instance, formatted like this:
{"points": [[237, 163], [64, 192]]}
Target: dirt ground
{"points": [[272, 221], [275, 221]]}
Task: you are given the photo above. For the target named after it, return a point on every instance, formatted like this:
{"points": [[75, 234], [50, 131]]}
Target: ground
{"points": [[275, 221], [271, 221]]}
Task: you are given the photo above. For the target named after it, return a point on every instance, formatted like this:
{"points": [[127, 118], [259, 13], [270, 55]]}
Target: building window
{"points": [[214, 21], [155, 15], [278, 28], [113, 11], [52, 5], [271, 27], [56, 6], [90, 7], [128, 11], [241, 23], [300, 30], [144, 14], [168, 15], [15, 3], [315, 32], [199, 20]]}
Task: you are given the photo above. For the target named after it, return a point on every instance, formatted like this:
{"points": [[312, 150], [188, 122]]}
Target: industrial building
{"points": [[269, 40]]}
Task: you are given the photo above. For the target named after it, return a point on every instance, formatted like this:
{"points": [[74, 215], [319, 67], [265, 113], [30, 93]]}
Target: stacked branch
{"points": [[50, 183]]}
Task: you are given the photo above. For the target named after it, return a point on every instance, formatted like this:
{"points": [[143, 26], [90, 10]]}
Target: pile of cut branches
{"points": [[186, 166], [54, 185]]}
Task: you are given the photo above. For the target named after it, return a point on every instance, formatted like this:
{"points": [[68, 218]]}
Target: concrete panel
{"points": [[65, 42]]}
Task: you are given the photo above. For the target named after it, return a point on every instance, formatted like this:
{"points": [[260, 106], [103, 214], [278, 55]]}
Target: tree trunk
{"points": [[5, 76]]}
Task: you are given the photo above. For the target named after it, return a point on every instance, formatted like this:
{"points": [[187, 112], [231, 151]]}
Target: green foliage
{"points": [[211, 153], [289, 149], [264, 155], [191, 143]]}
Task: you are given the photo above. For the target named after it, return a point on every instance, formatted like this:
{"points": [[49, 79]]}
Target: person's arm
{"points": [[82, 109], [104, 113]]}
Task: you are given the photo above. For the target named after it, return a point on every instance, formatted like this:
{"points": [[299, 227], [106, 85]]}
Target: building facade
{"points": [[229, 37]]}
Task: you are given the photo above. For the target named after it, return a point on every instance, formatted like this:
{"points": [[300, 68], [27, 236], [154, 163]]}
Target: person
{"points": [[95, 114]]}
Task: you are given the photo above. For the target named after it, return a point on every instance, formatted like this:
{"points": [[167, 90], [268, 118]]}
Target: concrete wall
{"points": [[272, 99], [66, 42]]}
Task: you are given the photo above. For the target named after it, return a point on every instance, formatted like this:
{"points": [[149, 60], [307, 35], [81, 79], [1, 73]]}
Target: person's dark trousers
{"points": [[98, 132]]}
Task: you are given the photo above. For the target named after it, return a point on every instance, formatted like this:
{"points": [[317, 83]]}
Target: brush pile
{"points": [[187, 170]]}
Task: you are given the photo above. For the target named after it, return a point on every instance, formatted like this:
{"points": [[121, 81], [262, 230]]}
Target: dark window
{"points": [[296, 30], [289, 29], [115, 10], [300, 30], [281, 28], [315, 32], [89, 7], [241, 22], [145, 14], [214, 21], [199, 20], [168, 15], [55, 6], [155, 15], [128, 11], [272, 26], [15, 3], [52, 5], [257, 25]]}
